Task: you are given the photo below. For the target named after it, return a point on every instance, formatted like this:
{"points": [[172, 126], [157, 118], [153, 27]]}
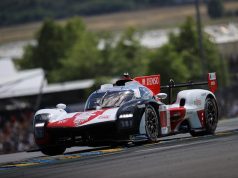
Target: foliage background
{"points": [[72, 52]]}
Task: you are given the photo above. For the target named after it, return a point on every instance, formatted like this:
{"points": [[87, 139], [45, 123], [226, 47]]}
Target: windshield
{"points": [[108, 99]]}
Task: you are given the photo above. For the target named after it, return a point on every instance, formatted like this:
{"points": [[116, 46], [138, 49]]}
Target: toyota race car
{"points": [[130, 110]]}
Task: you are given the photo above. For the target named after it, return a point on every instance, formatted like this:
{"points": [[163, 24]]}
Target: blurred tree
{"points": [[129, 55], [167, 62], [73, 53], [49, 48], [54, 43], [91, 57], [106, 62], [81, 61], [179, 59], [98, 81], [215, 8], [72, 31]]}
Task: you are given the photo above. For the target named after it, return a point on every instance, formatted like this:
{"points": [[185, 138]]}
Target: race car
{"points": [[129, 110]]}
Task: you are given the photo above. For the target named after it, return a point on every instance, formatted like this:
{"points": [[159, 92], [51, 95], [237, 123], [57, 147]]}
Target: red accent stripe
{"points": [[201, 117], [176, 116], [163, 118]]}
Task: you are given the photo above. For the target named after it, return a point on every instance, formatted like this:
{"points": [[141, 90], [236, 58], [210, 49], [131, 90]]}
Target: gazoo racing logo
{"points": [[85, 117]]}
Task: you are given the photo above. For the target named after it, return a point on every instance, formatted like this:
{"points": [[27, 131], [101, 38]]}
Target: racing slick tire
{"points": [[211, 118], [53, 150], [151, 123]]}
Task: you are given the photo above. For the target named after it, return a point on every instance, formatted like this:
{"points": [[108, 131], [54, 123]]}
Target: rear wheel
{"points": [[211, 118], [151, 123], [53, 150], [211, 115]]}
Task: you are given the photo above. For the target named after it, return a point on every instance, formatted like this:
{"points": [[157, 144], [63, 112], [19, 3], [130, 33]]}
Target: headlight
{"points": [[42, 118], [126, 115], [40, 124]]}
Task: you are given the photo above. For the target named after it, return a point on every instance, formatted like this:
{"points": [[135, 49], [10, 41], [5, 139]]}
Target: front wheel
{"points": [[151, 123], [53, 150]]}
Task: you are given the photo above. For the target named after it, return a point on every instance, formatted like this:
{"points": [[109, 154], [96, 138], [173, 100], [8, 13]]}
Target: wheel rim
{"points": [[211, 114], [151, 123]]}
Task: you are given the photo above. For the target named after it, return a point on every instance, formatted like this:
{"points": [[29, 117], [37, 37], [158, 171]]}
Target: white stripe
{"points": [[40, 124], [170, 147]]}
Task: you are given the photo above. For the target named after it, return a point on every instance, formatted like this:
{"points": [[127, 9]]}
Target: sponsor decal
{"points": [[150, 81], [197, 102], [176, 114], [104, 117], [212, 76]]}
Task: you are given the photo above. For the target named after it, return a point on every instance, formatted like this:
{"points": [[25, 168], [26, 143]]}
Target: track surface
{"points": [[184, 156]]}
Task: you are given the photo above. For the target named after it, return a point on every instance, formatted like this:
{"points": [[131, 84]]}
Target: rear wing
{"points": [[211, 82], [152, 82]]}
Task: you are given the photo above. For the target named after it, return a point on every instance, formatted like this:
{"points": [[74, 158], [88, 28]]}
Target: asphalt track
{"points": [[177, 156]]}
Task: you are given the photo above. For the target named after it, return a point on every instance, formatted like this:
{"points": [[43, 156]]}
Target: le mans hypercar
{"points": [[128, 111]]}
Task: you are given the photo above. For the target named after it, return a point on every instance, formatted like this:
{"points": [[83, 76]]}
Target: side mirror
{"points": [[161, 96], [61, 106]]}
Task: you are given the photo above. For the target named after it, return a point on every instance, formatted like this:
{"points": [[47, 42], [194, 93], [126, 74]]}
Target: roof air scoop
{"points": [[61, 106], [106, 87]]}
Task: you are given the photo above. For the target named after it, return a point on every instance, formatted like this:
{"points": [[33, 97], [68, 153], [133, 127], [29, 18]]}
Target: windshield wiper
{"points": [[101, 100]]}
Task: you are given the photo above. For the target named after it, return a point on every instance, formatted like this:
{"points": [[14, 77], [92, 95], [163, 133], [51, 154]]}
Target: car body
{"points": [[131, 110]]}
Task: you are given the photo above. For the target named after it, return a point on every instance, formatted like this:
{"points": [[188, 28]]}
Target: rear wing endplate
{"points": [[212, 82]]}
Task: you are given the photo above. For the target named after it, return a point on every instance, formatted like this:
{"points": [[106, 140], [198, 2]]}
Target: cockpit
{"points": [[109, 96], [108, 99]]}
